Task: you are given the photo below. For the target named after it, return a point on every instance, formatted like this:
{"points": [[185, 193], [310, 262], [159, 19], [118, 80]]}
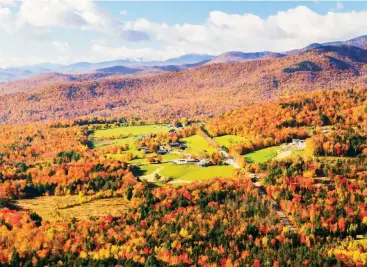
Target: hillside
{"points": [[193, 93]]}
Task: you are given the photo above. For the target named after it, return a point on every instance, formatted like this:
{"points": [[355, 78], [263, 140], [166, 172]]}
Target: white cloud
{"points": [[7, 3], [64, 13], [123, 12], [61, 46], [221, 32], [5, 19], [285, 30], [39, 17]]}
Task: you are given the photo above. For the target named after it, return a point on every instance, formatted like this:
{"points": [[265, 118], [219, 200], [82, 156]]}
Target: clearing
{"points": [[262, 155], [228, 140], [48, 207], [196, 145], [132, 130]]}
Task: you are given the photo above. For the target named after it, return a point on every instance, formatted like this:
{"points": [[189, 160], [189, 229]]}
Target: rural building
{"points": [[174, 144], [145, 148], [203, 163], [163, 151], [183, 146], [185, 161], [301, 144]]}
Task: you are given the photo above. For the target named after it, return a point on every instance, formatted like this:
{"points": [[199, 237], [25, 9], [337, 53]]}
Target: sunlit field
{"points": [[228, 140], [52, 208]]}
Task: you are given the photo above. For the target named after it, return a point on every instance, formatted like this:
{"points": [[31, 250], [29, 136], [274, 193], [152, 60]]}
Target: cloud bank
{"points": [[149, 40]]}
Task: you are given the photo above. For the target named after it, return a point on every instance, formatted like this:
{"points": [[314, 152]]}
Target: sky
{"points": [[67, 31]]}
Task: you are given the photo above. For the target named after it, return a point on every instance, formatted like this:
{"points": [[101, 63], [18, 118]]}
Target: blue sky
{"points": [[66, 31]]}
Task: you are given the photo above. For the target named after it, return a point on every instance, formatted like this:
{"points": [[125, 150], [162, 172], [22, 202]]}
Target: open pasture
{"points": [[229, 140], [132, 130], [51, 208]]}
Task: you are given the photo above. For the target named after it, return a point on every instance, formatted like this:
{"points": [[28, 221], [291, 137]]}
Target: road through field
{"points": [[274, 204]]}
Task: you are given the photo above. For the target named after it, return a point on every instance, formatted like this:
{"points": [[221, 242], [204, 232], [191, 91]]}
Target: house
{"points": [[163, 151], [203, 163], [185, 161], [174, 144], [301, 144], [182, 146], [145, 148]]}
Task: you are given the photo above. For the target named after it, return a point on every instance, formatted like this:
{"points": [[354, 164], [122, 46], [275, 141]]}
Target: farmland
{"points": [[262, 155], [196, 146], [52, 208], [228, 140]]}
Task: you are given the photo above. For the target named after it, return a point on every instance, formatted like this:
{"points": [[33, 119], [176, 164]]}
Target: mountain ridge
{"points": [[196, 93], [182, 62]]}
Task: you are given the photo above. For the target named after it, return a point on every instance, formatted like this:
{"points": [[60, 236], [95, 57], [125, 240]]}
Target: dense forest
{"points": [[219, 222]]}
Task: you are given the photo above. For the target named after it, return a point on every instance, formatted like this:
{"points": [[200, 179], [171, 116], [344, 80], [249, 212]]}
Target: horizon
{"points": [[66, 32]]}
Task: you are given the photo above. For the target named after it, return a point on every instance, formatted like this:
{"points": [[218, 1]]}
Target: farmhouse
{"points": [[185, 161], [203, 163], [301, 144], [183, 146], [174, 144], [145, 148], [163, 151]]}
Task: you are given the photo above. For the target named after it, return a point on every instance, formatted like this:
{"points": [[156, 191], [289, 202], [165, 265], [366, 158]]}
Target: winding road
{"points": [[229, 160]]}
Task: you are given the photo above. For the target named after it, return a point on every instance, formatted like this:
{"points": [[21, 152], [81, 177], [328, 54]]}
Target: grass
{"points": [[228, 140], [131, 130], [197, 144], [47, 207], [262, 155], [195, 173], [121, 141]]}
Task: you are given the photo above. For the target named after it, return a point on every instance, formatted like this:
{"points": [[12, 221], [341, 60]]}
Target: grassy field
{"points": [[132, 130], [195, 173], [47, 207], [262, 155], [197, 144], [228, 140], [121, 141]]}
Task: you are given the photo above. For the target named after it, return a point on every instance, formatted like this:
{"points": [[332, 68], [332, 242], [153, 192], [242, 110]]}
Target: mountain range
{"points": [[126, 66], [199, 91], [23, 72]]}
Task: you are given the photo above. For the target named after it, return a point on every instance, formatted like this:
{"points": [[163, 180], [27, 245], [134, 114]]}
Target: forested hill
{"points": [[196, 93]]}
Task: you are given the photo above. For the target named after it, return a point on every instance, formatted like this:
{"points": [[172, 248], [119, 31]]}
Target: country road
{"points": [[229, 160], [276, 207]]}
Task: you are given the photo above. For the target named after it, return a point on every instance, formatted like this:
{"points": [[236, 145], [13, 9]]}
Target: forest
{"points": [[308, 209]]}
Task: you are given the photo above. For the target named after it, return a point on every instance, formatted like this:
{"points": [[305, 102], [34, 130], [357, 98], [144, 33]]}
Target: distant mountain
{"points": [[360, 41], [24, 72], [237, 56], [13, 74], [119, 70], [126, 66], [188, 59], [194, 92], [309, 47]]}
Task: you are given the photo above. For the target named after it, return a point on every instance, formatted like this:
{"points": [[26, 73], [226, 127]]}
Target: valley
{"points": [[248, 159]]}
